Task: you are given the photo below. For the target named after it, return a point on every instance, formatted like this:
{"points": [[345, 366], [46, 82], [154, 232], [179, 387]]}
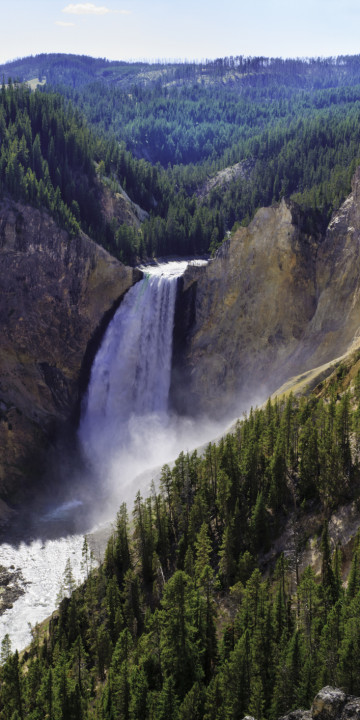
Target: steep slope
{"points": [[252, 304], [336, 323], [55, 293], [274, 302]]}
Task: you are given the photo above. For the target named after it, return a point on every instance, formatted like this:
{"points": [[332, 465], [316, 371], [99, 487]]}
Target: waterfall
{"points": [[125, 430], [130, 377]]}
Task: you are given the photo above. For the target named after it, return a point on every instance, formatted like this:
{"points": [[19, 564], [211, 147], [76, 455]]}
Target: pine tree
{"points": [[138, 693], [236, 679], [5, 648], [168, 702], [120, 673], [259, 524], [227, 563], [354, 574], [309, 460], [179, 649], [214, 702], [45, 696], [257, 700], [327, 574], [68, 581], [12, 686], [193, 703], [203, 552]]}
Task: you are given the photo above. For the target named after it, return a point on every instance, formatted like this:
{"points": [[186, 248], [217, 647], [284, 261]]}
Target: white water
{"points": [[125, 430], [130, 377], [42, 564]]}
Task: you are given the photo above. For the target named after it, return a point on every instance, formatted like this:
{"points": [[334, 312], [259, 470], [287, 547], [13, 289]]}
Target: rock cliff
{"points": [[55, 292], [274, 302], [250, 306]]}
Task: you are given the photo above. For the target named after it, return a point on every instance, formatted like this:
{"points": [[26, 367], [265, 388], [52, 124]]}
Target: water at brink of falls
{"points": [[125, 430]]}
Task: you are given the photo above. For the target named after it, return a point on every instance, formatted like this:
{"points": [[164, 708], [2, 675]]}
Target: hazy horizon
{"points": [[134, 30]]}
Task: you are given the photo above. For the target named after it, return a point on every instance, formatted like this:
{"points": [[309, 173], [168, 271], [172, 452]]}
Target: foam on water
{"points": [[42, 565]]}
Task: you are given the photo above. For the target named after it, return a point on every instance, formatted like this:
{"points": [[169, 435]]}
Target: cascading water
{"points": [[130, 378]]}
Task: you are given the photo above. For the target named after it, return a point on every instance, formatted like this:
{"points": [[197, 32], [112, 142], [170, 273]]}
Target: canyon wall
{"points": [[274, 302], [55, 293]]}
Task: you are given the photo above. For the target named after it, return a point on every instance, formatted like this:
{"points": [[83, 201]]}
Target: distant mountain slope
{"points": [[168, 130], [77, 70]]}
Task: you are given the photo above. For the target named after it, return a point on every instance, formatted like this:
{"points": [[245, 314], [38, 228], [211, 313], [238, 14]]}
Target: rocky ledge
{"points": [[57, 293], [329, 704], [11, 587]]}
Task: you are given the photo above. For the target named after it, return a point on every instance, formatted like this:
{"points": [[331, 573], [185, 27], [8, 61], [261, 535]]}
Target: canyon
{"points": [[273, 302]]}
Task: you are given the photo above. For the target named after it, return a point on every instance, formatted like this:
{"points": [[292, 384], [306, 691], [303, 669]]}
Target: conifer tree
{"points": [[327, 574], [203, 552], [193, 703], [179, 649], [168, 702]]}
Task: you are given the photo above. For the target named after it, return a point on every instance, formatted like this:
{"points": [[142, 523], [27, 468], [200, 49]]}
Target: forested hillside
{"points": [[51, 159], [296, 122], [160, 131], [189, 612]]}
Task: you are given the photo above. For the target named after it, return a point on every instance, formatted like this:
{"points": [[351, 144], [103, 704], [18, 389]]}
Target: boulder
{"points": [[328, 704]]}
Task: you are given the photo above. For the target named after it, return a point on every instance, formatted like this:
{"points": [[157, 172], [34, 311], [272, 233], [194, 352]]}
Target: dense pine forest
{"points": [[190, 611], [289, 128]]}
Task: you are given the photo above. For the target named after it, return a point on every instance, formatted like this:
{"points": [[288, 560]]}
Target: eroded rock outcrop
{"points": [[336, 323], [55, 291], [329, 704], [251, 305], [275, 302]]}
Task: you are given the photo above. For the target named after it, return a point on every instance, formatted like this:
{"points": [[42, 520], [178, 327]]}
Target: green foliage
{"points": [[179, 618], [291, 126], [45, 156]]}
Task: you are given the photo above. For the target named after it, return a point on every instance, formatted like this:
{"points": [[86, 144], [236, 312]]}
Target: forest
{"points": [[190, 611], [160, 132]]}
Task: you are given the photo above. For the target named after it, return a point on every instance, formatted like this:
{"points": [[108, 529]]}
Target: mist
{"points": [[151, 441]]}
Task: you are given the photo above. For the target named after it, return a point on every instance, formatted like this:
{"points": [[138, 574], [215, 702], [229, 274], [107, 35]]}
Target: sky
{"points": [[180, 29]]}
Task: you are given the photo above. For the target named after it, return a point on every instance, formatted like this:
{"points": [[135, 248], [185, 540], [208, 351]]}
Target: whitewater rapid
{"points": [[42, 564]]}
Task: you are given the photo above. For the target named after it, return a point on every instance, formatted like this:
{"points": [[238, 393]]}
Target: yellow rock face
{"points": [[253, 300], [272, 304]]}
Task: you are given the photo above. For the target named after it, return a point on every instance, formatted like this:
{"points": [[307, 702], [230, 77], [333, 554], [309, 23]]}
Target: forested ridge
{"points": [[160, 131], [189, 612], [50, 158]]}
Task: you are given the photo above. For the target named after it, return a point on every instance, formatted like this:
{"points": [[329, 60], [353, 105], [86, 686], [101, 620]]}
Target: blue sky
{"points": [[186, 29]]}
